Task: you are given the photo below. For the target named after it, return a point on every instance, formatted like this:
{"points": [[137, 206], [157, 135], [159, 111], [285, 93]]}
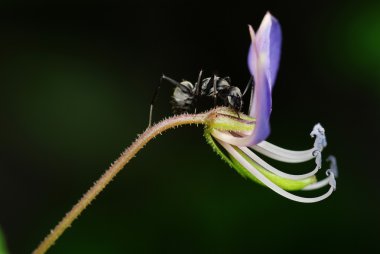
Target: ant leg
{"points": [[198, 88], [237, 112], [215, 91]]}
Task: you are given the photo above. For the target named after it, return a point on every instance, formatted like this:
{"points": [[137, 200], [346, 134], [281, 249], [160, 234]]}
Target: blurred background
{"points": [[76, 81]]}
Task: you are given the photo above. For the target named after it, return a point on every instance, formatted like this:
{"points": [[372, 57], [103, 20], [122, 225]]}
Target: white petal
{"points": [[281, 154]]}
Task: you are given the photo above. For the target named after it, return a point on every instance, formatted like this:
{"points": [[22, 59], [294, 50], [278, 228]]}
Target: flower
{"points": [[242, 136]]}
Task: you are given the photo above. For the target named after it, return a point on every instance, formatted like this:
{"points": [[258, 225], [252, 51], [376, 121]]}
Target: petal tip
{"points": [[251, 32]]}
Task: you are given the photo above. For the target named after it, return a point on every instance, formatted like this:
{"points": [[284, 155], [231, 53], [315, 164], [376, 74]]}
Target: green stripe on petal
{"points": [[284, 183]]}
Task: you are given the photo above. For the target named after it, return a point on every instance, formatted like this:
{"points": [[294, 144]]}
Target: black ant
{"points": [[186, 95]]}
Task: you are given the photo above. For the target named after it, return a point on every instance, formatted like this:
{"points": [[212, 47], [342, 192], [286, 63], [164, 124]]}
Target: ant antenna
{"points": [[249, 82], [252, 93], [170, 80], [163, 77], [153, 101]]}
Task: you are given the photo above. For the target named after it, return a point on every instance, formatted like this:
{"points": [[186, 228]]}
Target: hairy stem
{"points": [[112, 171]]}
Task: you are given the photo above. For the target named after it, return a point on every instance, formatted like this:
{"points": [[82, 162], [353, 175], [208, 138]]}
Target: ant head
{"points": [[235, 98]]}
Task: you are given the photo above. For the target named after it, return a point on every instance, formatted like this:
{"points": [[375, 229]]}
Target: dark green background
{"points": [[75, 87]]}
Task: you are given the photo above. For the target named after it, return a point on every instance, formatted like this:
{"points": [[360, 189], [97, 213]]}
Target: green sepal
{"points": [[284, 183], [240, 169], [228, 120]]}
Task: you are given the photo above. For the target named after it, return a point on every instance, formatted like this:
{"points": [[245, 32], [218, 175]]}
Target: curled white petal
{"points": [[272, 151], [329, 180], [331, 173], [281, 154], [270, 168], [317, 185], [269, 183], [320, 138], [333, 165], [332, 180], [290, 156]]}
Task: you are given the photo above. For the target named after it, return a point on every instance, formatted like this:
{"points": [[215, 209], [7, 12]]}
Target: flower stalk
{"points": [[114, 169]]}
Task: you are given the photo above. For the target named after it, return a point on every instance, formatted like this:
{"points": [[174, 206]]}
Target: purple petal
{"points": [[263, 61], [252, 56], [268, 42], [261, 108]]}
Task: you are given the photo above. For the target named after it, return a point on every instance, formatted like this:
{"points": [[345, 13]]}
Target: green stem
{"points": [[115, 168]]}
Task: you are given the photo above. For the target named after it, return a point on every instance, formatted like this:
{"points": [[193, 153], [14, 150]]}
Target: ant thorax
{"points": [[188, 97], [221, 89], [207, 88]]}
